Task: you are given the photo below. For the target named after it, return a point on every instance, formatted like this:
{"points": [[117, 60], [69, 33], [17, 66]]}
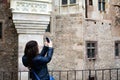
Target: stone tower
{"points": [[8, 43]]}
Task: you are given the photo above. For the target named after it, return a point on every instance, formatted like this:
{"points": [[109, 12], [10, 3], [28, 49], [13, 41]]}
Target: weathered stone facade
{"points": [[8, 43], [68, 42], [72, 30]]}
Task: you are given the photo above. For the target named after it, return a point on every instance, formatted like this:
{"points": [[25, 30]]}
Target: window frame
{"points": [[101, 5], [72, 2], [90, 2], [91, 48], [118, 48], [64, 3], [68, 2]]}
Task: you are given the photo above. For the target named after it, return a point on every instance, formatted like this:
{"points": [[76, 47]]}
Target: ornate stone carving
{"points": [[30, 7]]}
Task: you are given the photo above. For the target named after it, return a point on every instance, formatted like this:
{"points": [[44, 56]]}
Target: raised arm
{"points": [[44, 50], [47, 58]]}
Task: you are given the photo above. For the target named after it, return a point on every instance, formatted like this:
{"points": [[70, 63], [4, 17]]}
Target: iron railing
{"points": [[98, 74]]}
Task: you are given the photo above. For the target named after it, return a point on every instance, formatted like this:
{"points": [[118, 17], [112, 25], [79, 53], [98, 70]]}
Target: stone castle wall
{"points": [[68, 42], [70, 36], [71, 31], [8, 43]]}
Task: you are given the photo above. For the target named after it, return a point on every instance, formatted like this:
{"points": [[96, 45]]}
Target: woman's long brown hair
{"points": [[31, 50]]}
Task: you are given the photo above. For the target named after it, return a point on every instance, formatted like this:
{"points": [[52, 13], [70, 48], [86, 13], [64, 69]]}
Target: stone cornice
{"points": [[31, 17], [24, 6]]}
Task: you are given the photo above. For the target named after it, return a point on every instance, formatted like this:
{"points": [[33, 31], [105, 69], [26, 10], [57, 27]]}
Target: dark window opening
{"points": [[90, 2], [48, 28], [64, 2], [101, 5], [72, 1], [117, 48], [0, 30], [91, 47]]}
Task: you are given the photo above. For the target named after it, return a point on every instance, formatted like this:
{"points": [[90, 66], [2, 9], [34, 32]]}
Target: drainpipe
{"points": [[86, 16]]}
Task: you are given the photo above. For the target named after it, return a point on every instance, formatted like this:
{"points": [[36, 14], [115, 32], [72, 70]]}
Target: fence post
{"points": [[75, 74], [89, 74], [117, 74], [110, 74]]}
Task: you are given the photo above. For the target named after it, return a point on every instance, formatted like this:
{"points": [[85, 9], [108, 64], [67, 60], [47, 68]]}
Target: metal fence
{"points": [[98, 74]]}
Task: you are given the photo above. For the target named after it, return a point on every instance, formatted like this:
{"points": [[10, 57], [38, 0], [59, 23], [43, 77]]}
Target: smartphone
{"points": [[47, 39]]}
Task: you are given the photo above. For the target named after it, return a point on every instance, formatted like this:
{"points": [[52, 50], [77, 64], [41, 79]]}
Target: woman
{"points": [[37, 63]]}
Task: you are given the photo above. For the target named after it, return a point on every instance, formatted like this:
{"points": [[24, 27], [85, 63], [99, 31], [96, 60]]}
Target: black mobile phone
{"points": [[47, 39]]}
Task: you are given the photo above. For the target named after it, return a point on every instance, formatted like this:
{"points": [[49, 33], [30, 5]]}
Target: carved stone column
{"points": [[31, 18]]}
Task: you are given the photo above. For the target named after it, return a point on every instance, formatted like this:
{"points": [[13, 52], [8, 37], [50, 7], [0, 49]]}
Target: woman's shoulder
{"points": [[38, 57]]}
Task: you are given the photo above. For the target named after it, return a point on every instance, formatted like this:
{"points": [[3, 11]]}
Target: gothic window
{"points": [[91, 47], [64, 2], [68, 2], [0, 30], [72, 1], [90, 2], [101, 5], [117, 48]]}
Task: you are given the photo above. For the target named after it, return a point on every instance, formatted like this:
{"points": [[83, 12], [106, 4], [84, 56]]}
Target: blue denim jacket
{"points": [[40, 63]]}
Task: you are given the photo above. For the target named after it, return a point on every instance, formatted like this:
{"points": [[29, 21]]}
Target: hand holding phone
{"points": [[49, 42]]}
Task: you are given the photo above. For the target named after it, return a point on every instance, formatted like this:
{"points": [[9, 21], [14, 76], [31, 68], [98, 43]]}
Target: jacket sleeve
{"points": [[44, 50], [47, 58], [24, 60]]}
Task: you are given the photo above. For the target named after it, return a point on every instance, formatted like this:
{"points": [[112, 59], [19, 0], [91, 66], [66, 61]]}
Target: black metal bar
{"points": [[75, 74], [110, 73], [82, 75], [59, 75], [20, 75], [117, 74], [28, 75], [102, 74], [11, 76], [3, 75], [67, 75], [89, 74], [95, 75]]}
